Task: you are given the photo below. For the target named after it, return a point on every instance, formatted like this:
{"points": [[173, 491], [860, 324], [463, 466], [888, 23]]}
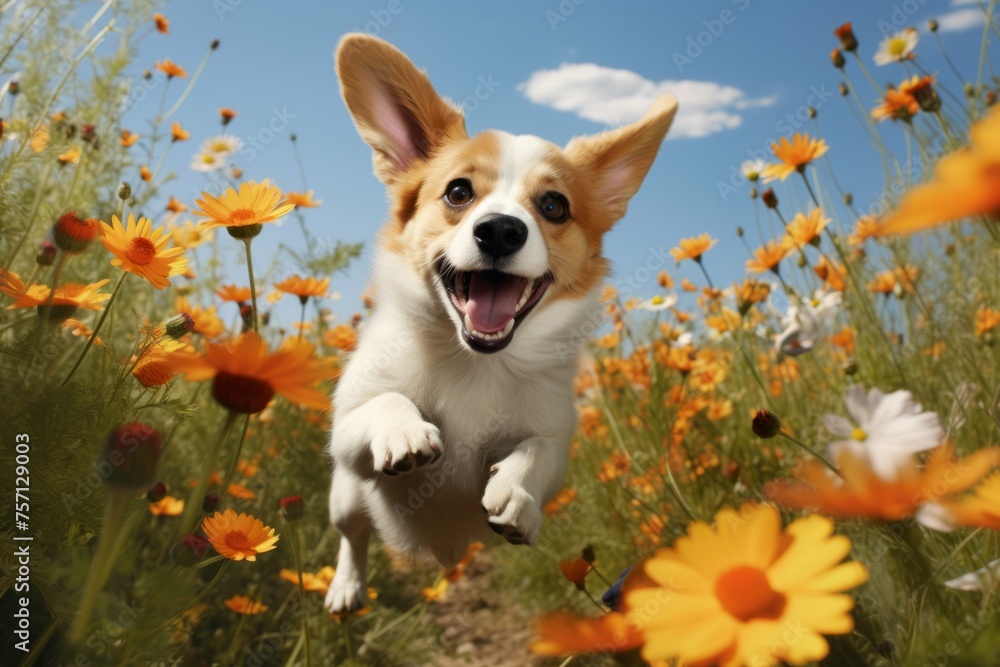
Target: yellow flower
{"points": [[897, 105], [254, 204], [190, 235], [238, 537], [40, 138], [981, 509], [128, 138], [966, 183], [142, 250], [145, 174], [794, 156], [167, 506], [733, 589], [804, 229], [72, 156], [68, 298], [174, 205], [342, 336], [245, 377], [767, 258], [302, 199], [206, 322], [865, 228], [233, 293], [987, 319], [241, 604], [693, 248], [436, 593], [177, 133]]}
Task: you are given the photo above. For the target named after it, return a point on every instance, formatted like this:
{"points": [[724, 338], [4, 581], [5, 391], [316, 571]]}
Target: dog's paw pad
{"points": [[512, 513], [402, 450]]}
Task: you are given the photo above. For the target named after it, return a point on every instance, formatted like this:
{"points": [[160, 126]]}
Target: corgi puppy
{"points": [[454, 414]]}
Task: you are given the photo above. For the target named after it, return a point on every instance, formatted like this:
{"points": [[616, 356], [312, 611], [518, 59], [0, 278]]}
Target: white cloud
{"points": [[618, 96], [961, 19]]}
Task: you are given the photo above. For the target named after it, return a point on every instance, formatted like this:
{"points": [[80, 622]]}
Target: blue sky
{"points": [[744, 71]]}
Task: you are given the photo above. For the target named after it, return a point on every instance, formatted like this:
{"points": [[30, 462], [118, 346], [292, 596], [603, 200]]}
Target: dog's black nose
{"points": [[500, 235]]}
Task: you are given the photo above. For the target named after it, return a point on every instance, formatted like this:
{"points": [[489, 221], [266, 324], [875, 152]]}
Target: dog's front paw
{"points": [[402, 448], [345, 595], [511, 511]]}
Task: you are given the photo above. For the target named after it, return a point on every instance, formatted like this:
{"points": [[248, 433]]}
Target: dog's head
{"points": [[498, 226]]}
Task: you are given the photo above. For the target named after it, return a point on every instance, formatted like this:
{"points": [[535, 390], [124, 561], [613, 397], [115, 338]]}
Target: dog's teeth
{"points": [[468, 324], [507, 329], [524, 297]]}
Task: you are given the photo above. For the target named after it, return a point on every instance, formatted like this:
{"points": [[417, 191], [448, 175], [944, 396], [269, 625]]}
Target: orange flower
{"points": [[302, 199], [171, 69], [254, 204], [316, 583], [227, 115], [794, 155], [804, 229], [151, 367], [342, 336], [11, 284], [693, 248], [981, 509], [238, 537], [240, 492], [142, 250], [436, 593], [206, 322], [966, 183], [128, 138], [883, 283], [617, 465], [563, 634], [575, 571], [562, 499], [241, 604], [68, 298], [245, 377], [834, 275], [167, 506], [862, 493], [174, 205], [987, 319], [304, 287], [162, 24], [897, 105], [865, 228], [455, 573], [145, 174], [233, 293], [767, 258], [177, 133]]}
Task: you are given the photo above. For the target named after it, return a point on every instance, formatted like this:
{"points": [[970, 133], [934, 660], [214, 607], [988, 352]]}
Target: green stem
{"points": [[31, 217], [811, 451], [296, 555], [253, 286], [198, 494], [236, 459], [97, 328], [101, 565]]}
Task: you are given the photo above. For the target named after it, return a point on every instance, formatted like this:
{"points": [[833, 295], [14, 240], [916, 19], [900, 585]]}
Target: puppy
{"points": [[454, 414]]}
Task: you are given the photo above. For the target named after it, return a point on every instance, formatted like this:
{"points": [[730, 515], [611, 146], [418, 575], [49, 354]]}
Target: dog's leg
{"points": [[518, 486], [348, 591], [386, 434]]}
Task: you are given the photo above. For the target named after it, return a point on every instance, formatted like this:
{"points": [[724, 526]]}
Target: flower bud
{"points": [[214, 45], [72, 233], [932, 25], [812, 112], [837, 58], [14, 88], [178, 325], [848, 198], [733, 472], [130, 455], [157, 493], [292, 508], [848, 41], [769, 198], [588, 554], [766, 424], [124, 191], [842, 89], [739, 231], [46, 253], [189, 550], [210, 503]]}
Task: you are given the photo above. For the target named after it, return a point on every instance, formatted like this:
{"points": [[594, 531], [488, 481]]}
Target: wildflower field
{"points": [[798, 467]]}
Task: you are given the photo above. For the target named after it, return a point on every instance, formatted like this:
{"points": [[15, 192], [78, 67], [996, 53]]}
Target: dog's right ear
{"points": [[395, 108]]}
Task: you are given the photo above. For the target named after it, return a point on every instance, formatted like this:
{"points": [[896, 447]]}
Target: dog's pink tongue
{"points": [[492, 300]]}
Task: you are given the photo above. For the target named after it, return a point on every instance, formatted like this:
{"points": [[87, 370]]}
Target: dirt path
{"points": [[479, 627]]}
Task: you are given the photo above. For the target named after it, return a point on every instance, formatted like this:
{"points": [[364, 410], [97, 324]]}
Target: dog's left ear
{"points": [[617, 160]]}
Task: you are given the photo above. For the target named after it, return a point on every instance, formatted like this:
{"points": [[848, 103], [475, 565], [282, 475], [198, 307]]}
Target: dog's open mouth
{"points": [[491, 303]]}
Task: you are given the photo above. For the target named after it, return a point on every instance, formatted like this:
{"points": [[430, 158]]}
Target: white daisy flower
{"points": [[752, 169], [897, 48], [208, 162], [804, 325], [222, 145], [887, 429], [658, 302], [984, 579]]}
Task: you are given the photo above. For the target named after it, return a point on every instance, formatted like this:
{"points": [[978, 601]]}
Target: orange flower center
{"points": [[140, 251], [241, 216], [237, 540], [747, 595]]}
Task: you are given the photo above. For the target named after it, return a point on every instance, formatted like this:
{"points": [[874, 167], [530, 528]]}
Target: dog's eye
{"points": [[459, 192], [554, 207]]}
